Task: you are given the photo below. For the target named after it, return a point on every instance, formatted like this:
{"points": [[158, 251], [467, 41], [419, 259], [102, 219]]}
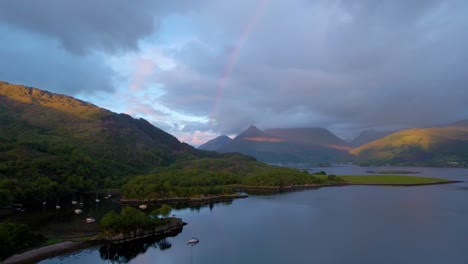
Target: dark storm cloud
{"points": [[61, 45], [344, 65], [338, 64], [87, 25], [32, 60]]}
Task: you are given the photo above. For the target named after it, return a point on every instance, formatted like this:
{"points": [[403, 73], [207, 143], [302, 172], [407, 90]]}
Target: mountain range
{"points": [[52, 144], [286, 145], [441, 146]]}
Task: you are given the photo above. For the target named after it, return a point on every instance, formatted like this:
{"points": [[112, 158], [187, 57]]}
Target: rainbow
{"points": [[234, 55]]}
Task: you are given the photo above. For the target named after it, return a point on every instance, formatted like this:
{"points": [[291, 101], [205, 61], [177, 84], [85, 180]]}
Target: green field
{"points": [[390, 179]]}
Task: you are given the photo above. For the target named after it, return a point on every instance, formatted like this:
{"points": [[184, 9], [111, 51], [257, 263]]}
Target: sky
{"points": [[199, 69]]}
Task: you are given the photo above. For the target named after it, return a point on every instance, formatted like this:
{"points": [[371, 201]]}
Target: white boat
{"points": [[78, 211], [90, 220], [143, 206], [193, 241], [57, 207], [97, 200], [44, 203], [74, 202]]}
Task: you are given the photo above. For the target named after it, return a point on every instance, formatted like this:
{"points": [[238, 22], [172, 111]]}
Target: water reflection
{"points": [[125, 252]]}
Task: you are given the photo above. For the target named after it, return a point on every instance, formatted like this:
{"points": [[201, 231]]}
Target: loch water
{"points": [[349, 224]]}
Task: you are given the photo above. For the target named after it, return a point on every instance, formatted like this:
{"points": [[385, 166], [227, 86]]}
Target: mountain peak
{"points": [[216, 143], [250, 132], [253, 128]]}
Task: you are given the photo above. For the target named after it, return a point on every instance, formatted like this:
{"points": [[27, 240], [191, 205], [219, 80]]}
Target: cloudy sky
{"points": [[198, 69]]}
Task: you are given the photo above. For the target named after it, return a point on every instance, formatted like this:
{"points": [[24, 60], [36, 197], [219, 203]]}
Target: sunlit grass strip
{"points": [[390, 179]]}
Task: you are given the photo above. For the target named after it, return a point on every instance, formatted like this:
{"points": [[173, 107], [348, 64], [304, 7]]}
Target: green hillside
{"points": [[51, 145], [447, 146]]}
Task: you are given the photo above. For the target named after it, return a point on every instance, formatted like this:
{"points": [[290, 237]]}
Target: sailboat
{"points": [[97, 197], [81, 201], [78, 211], [90, 220], [74, 202], [57, 206]]}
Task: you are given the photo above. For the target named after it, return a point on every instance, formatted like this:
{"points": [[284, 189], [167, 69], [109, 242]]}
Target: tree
{"points": [[165, 210], [110, 221]]}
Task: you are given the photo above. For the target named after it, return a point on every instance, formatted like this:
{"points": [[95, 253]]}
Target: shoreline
{"points": [[402, 185], [42, 253], [266, 189], [66, 247], [190, 200]]}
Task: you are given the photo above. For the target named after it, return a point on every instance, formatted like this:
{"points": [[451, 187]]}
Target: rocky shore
{"points": [[174, 227]]}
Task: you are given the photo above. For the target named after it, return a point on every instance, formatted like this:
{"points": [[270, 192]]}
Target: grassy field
{"points": [[389, 179]]}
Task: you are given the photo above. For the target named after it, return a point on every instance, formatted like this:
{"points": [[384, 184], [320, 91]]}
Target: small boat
{"points": [[74, 202], [97, 198], [44, 203], [143, 206], [57, 206], [81, 201], [193, 241], [78, 211], [90, 219]]}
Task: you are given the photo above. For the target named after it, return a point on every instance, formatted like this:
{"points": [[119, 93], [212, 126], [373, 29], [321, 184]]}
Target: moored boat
{"points": [[193, 241]]}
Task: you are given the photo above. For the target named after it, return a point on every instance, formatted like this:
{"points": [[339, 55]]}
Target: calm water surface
{"points": [[353, 224]]}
